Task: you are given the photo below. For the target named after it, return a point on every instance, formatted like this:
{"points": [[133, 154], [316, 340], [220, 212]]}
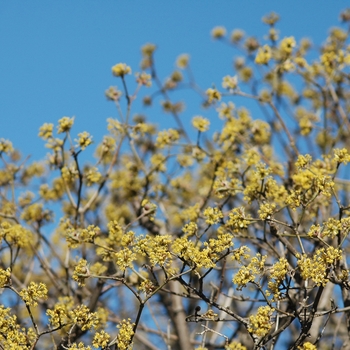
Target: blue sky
{"points": [[56, 56]]}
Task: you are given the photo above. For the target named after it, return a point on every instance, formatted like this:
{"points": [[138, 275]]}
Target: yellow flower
{"points": [[287, 45], [5, 277], [143, 79], [237, 35], [65, 124], [218, 32], [93, 176], [81, 272], [125, 335], [200, 123], [182, 61], [264, 55], [307, 346], [341, 155], [33, 293], [213, 95], [148, 49], [229, 82], [271, 18], [101, 339], [45, 131], [85, 139], [113, 94], [121, 69], [212, 215], [260, 323]]}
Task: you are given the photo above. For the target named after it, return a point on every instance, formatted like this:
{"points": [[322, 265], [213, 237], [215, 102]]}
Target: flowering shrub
{"points": [[225, 232]]}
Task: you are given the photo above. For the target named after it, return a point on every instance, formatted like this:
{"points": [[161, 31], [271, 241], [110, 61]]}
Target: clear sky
{"points": [[56, 56]]}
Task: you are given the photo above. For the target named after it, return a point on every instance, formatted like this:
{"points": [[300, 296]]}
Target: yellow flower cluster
{"points": [[121, 69], [193, 254], [113, 94], [46, 131], [225, 110], [235, 346], [64, 125], [287, 45], [316, 268], [266, 211], [260, 324], [125, 335], [341, 155], [15, 234], [155, 248], [93, 176], [190, 229], [12, 335], [264, 55], [200, 123], [213, 95], [143, 79], [101, 340], [36, 213], [212, 215], [248, 273], [81, 272], [182, 61], [84, 140], [307, 346], [5, 277], [124, 258], [147, 286], [5, 146], [33, 293], [74, 237], [303, 161], [167, 137], [238, 220], [159, 162], [229, 82], [218, 32], [278, 273], [237, 35], [82, 317]]}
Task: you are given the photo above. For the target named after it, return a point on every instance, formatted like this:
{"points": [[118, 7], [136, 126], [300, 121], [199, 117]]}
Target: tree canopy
{"points": [[225, 232]]}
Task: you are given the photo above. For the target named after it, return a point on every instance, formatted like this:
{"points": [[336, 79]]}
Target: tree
{"points": [[229, 235]]}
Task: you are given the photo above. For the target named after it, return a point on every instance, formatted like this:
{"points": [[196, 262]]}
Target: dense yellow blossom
{"points": [[46, 131], [307, 346], [65, 124], [260, 324], [278, 273], [229, 82], [200, 123], [113, 94], [5, 277], [264, 55], [121, 69], [249, 273], [101, 339], [213, 95], [125, 335], [193, 208], [167, 137], [287, 45], [33, 293], [316, 267]]}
